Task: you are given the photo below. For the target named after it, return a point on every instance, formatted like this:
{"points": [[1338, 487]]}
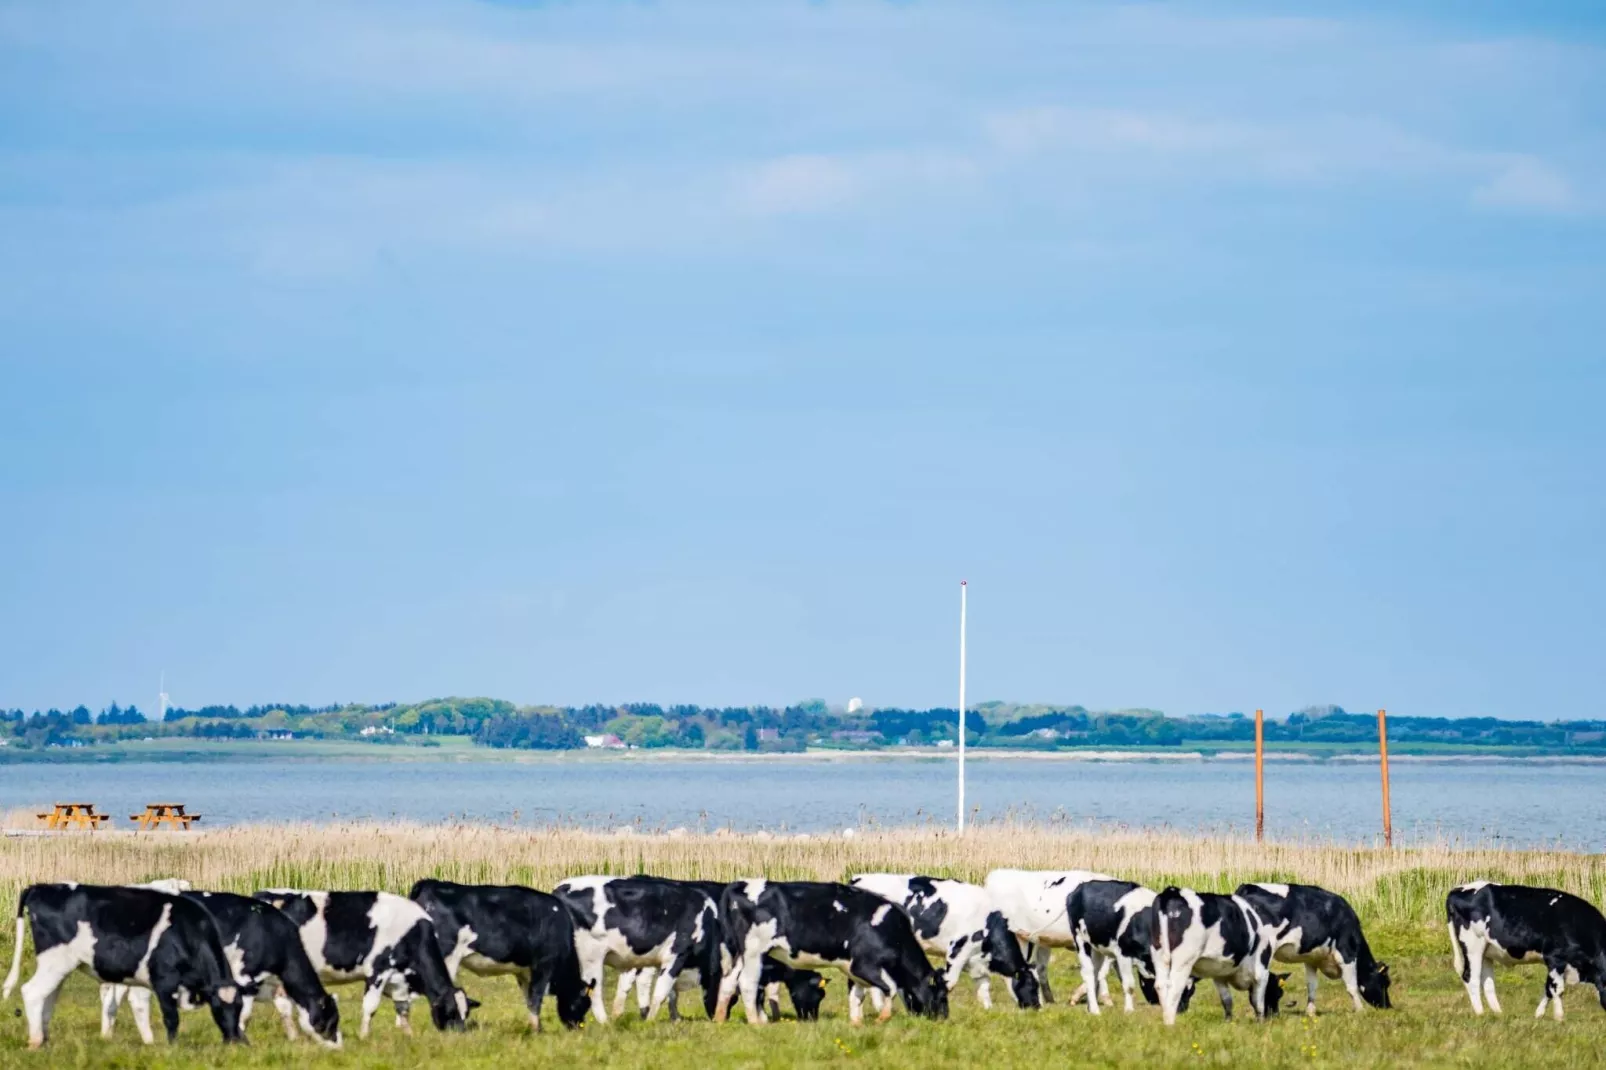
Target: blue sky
{"points": [[694, 352]]}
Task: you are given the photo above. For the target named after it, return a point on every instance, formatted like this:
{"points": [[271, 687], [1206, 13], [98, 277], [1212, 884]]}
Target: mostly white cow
{"points": [[1320, 930], [493, 930], [813, 925], [959, 923], [1201, 934], [634, 923], [1510, 924], [378, 939], [264, 951], [806, 987], [128, 936], [1032, 902], [1114, 921]]}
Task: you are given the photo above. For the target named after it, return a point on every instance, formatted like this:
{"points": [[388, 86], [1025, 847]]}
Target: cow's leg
{"points": [[660, 991], [772, 1001], [855, 1003], [40, 991], [139, 1008], [729, 983], [621, 992], [1489, 996], [591, 975], [1040, 953], [644, 991], [167, 1001], [1258, 982], [372, 996], [1104, 982], [1088, 960], [1123, 967], [109, 999], [285, 1006], [751, 969], [1224, 990], [1175, 971], [534, 983], [1555, 981], [1468, 948], [1351, 975], [1311, 976]]}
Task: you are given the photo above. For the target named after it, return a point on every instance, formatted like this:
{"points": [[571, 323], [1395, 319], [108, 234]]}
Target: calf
{"points": [[1318, 928], [131, 936], [264, 952], [959, 922], [1507, 924], [380, 939], [1201, 934], [1033, 905], [812, 924], [506, 929], [1114, 921], [638, 922], [806, 987]]}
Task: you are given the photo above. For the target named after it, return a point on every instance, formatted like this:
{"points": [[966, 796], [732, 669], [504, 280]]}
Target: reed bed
{"points": [[1400, 887]]}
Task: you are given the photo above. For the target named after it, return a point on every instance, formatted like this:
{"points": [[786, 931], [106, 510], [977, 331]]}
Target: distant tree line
{"points": [[812, 723]]}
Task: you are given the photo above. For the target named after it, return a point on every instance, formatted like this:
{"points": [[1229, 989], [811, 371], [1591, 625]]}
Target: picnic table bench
{"points": [[74, 815], [158, 814]]}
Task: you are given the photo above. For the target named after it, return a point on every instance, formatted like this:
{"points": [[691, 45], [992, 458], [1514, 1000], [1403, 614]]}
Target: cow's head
{"points": [[807, 989], [1375, 986], [450, 1009], [573, 1005], [320, 1018], [225, 1001], [1274, 992], [928, 996], [1028, 992]]}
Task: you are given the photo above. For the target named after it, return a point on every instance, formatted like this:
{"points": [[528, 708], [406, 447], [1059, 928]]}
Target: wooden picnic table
{"points": [[158, 814], [80, 815]]}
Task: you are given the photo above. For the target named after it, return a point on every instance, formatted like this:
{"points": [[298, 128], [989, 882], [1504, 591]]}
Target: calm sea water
{"points": [[1516, 803]]}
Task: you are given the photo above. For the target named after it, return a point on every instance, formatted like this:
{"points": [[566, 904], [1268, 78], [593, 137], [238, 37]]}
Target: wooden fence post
{"points": [[1383, 753], [1260, 776]]}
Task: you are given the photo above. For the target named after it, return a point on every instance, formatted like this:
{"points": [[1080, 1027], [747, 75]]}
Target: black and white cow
{"points": [[1114, 921], [381, 940], [1320, 929], [958, 922], [1202, 934], [806, 987], [492, 929], [1033, 904], [633, 923], [1507, 924], [813, 925], [130, 936], [264, 952]]}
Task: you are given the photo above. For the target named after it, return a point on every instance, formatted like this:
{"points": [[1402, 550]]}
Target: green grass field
{"points": [[1399, 895]]}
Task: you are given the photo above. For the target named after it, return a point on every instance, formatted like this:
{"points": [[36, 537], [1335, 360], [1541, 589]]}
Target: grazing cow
{"points": [[1508, 924], [264, 951], [381, 940], [506, 929], [1114, 921], [637, 922], [806, 987], [1201, 934], [1318, 928], [1033, 905], [813, 925], [959, 922], [131, 936]]}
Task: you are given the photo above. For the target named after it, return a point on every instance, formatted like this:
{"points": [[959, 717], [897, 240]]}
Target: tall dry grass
{"points": [[1403, 886]]}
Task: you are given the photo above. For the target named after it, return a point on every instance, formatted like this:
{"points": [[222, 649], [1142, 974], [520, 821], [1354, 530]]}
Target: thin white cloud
{"points": [[1527, 184]]}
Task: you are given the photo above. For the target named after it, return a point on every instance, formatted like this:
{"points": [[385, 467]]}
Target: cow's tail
{"points": [[16, 952]]}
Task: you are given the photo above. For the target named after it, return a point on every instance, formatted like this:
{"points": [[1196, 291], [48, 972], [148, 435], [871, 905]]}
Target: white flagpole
{"points": [[963, 587]]}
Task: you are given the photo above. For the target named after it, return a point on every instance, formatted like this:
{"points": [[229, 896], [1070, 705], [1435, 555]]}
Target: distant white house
{"points": [[607, 741], [377, 730], [945, 742]]}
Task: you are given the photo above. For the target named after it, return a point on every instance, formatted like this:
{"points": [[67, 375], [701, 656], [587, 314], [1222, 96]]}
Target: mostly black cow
{"points": [[1508, 924], [264, 952], [805, 987], [1114, 921], [1320, 930], [493, 930], [1201, 934], [959, 923], [814, 925], [381, 940], [128, 936], [634, 923]]}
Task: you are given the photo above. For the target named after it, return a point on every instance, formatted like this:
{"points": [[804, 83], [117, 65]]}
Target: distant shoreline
{"points": [[181, 751]]}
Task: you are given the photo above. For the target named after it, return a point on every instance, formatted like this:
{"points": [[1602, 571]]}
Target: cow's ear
{"points": [[1383, 968]]}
